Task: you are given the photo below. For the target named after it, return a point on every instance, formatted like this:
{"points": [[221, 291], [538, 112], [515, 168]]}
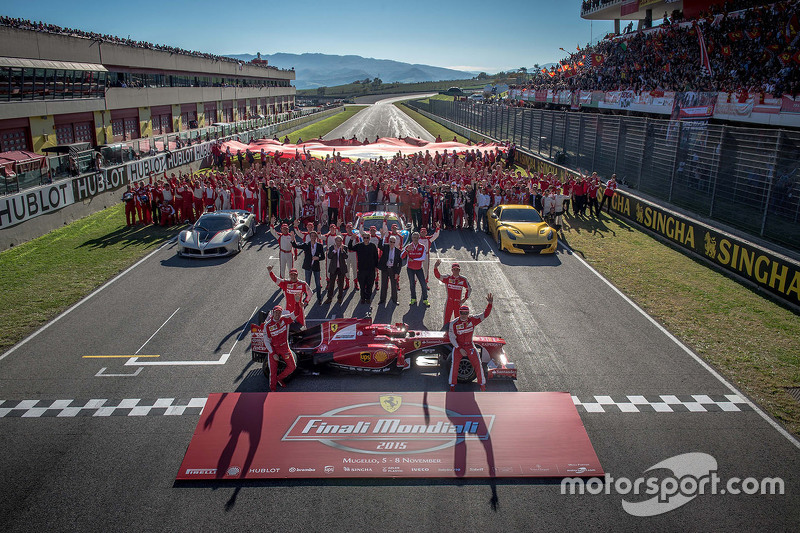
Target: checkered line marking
{"points": [[666, 403], [100, 407]]}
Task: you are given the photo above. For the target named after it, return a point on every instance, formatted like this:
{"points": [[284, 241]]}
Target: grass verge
{"points": [[749, 339], [42, 277], [318, 129], [433, 127]]}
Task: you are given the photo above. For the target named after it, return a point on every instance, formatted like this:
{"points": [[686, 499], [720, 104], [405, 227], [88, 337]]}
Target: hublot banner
{"points": [[43, 200]]}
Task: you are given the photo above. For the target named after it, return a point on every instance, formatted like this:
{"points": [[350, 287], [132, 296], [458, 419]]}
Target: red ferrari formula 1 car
{"points": [[357, 344]]}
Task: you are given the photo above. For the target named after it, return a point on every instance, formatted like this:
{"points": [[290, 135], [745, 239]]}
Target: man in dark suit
{"points": [[314, 253], [337, 268], [367, 255], [390, 265]]}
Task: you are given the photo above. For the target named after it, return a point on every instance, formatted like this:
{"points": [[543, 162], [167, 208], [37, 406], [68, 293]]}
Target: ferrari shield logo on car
{"points": [[391, 403], [334, 327], [417, 344]]}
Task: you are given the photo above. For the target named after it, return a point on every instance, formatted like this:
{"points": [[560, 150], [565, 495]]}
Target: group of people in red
{"points": [[450, 190], [460, 330]]}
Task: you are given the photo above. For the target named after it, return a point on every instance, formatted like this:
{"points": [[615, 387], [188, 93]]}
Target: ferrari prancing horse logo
{"points": [[417, 344], [391, 403], [334, 327]]}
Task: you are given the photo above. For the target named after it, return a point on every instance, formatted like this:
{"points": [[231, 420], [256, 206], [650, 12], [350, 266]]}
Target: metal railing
{"points": [[59, 166], [745, 177]]}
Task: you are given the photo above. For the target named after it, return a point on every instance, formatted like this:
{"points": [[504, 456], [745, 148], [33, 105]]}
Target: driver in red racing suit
{"points": [[460, 334], [297, 293], [276, 339], [456, 285]]}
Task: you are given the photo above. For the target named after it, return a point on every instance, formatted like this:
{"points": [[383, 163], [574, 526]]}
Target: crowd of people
{"points": [[429, 190], [755, 50], [72, 32]]}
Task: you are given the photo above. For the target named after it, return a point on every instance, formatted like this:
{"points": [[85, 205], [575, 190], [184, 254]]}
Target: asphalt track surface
{"points": [[566, 328], [381, 119]]}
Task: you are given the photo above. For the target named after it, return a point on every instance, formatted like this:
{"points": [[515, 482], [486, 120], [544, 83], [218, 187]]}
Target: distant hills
{"points": [[318, 70]]}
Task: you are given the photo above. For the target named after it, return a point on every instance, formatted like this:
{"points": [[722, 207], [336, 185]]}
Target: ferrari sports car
{"points": [[356, 344], [375, 219], [217, 234], [519, 229]]}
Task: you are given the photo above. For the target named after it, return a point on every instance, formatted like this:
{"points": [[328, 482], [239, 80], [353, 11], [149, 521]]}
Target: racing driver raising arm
{"points": [[460, 333], [276, 339], [297, 293]]}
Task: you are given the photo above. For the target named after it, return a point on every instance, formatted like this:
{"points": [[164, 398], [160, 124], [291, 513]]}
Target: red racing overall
{"points": [[455, 286], [460, 334], [297, 293], [276, 338]]}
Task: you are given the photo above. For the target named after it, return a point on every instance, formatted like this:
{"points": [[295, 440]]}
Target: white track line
{"points": [[101, 374], [686, 349], [133, 361], [154, 334], [84, 300]]}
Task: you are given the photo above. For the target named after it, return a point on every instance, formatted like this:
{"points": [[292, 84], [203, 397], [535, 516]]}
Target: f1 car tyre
{"points": [[466, 372]]}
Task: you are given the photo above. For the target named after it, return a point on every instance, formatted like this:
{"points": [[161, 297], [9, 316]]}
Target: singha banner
{"points": [[411, 434], [769, 271]]}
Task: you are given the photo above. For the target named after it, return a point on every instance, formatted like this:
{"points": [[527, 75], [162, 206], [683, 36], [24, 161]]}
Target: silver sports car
{"points": [[217, 234]]}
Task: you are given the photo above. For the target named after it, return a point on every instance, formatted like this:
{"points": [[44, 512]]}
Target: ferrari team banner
{"points": [[410, 434]]}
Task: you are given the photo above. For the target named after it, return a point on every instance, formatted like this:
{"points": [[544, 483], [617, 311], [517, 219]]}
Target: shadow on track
{"points": [[133, 235]]}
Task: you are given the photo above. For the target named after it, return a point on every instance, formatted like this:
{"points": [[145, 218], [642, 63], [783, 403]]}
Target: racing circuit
{"points": [[98, 407]]}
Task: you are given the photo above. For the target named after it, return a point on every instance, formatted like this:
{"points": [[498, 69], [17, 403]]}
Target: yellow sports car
{"points": [[519, 229]]}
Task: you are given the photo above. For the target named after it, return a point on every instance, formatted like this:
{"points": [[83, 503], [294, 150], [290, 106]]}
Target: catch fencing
{"points": [[744, 177]]}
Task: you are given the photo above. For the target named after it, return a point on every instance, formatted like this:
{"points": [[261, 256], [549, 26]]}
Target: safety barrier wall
{"points": [[770, 271], [18, 209], [744, 177]]}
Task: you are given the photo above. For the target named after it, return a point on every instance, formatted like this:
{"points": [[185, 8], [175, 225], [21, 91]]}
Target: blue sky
{"points": [[468, 34]]}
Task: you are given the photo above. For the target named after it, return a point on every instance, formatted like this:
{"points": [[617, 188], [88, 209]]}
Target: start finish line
{"points": [[411, 434]]}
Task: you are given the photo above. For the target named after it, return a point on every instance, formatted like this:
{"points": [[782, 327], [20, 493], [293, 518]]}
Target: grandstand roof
{"points": [[635, 10]]}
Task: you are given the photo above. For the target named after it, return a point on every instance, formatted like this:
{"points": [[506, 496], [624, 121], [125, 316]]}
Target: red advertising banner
{"points": [[694, 106], [790, 104], [628, 7], [410, 434]]}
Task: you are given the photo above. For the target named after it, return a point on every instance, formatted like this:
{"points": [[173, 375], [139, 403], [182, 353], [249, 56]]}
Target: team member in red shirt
{"points": [[426, 241], [276, 339], [460, 334], [415, 252], [458, 290], [297, 293], [591, 195], [608, 194]]}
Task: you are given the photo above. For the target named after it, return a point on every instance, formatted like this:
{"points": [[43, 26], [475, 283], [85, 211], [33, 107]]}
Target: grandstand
{"points": [[748, 53], [62, 86]]}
